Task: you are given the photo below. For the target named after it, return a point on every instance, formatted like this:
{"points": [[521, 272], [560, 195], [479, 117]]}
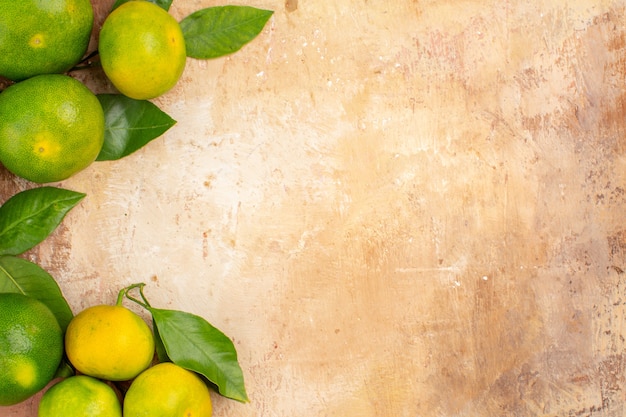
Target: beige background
{"points": [[395, 208]]}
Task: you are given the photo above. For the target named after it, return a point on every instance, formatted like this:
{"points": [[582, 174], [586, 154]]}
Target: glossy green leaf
{"points": [[160, 348], [24, 277], [29, 216], [164, 4], [129, 125], [221, 30], [194, 344]]}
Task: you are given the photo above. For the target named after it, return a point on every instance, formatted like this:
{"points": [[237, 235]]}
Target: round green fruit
{"points": [[43, 37], [31, 347]]}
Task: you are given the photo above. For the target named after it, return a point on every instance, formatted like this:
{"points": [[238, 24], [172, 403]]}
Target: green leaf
{"points": [[160, 348], [164, 4], [30, 216], [129, 125], [217, 31], [24, 277], [194, 344]]}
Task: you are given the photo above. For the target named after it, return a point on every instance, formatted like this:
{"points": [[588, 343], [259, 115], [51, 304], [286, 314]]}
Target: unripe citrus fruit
{"points": [[42, 37], [167, 390], [51, 127], [31, 347], [142, 49], [109, 342], [80, 396]]}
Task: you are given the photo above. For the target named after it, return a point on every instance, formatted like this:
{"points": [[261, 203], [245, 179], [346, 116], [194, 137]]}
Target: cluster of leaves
{"points": [[27, 218]]}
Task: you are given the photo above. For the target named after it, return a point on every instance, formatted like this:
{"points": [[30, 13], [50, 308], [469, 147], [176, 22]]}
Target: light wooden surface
{"points": [[395, 208]]}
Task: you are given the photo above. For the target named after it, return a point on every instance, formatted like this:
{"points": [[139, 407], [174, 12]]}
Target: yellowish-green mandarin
{"points": [[31, 347], [43, 37]]}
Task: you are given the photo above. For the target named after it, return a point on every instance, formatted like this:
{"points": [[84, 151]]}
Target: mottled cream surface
{"points": [[394, 208]]}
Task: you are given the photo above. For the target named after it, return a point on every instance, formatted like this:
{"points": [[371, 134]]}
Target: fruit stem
{"points": [[86, 62], [120, 296], [125, 293]]}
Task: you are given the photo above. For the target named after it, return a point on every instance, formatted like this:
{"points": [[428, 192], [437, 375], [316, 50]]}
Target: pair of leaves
{"points": [[209, 33], [26, 219], [193, 343]]}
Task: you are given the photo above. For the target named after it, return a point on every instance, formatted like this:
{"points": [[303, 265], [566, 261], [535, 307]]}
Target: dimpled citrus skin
{"points": [[109, 342], [142, 50], [43, 37], [80, 396], [52, 127], [31, 347], [167, 390]]}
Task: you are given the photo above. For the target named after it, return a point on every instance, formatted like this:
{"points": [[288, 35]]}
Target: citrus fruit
{"points": [[109, 342], [42, 37], [31, 347], [167, 390], [79, 396], [142, 49], [52, 127]]}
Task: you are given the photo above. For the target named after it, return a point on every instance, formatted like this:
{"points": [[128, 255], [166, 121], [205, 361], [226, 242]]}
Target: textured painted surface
{"points": [[395, 208]]}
